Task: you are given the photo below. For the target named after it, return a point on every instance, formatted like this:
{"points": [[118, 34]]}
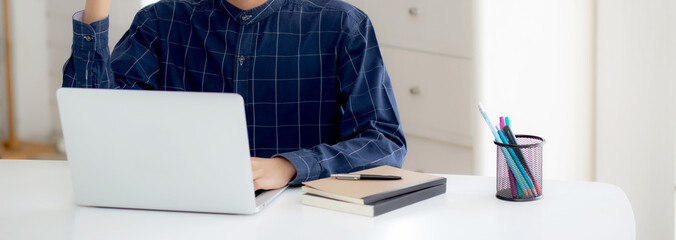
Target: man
{"points": [[317, 96]]}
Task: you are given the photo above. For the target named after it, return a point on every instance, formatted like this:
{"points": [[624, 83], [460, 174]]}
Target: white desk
{"points": [[36, 203]]}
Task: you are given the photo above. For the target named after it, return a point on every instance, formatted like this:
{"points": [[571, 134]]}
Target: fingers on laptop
{"points": [[271, 173], [257, 172], [256, 185]]}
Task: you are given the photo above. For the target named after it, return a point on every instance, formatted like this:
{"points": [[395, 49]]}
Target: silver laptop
{"points": [[180, 151]]}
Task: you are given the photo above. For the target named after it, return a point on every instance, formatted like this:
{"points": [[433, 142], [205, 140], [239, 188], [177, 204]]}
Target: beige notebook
{"points": [[369, 191]]}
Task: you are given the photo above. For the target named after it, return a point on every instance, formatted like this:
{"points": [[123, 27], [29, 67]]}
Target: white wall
{"points": [[636, 108], [535, 64], [33, 117], [146, 2]]}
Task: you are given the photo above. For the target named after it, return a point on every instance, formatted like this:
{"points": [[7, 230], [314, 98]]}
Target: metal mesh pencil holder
{"points": [[519, 175]]}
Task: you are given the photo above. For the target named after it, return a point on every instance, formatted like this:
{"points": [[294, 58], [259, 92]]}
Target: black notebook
{"points": [[375, 208]]}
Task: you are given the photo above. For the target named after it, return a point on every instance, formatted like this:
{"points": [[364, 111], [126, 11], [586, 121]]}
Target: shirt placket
{"points": [[243, 55]]}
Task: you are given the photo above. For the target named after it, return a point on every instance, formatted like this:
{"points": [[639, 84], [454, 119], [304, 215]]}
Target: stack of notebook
{"points": [[373, 197]]}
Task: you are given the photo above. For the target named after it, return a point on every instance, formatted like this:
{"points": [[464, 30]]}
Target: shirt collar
{"points": [[252, 15]]}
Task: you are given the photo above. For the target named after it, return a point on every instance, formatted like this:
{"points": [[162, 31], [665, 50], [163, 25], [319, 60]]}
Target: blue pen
{"points": [[518, 164], [517, 175]]}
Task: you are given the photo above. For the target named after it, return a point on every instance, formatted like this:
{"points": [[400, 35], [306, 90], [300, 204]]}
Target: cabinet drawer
{"points": [[424, 155], [437, 26], [433, 93]]}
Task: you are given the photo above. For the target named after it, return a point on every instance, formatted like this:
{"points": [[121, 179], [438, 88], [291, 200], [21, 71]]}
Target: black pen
{"points": [[364, 177]]}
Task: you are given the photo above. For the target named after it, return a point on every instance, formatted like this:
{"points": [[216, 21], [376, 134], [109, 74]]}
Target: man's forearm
{"points": [[96, 10]]}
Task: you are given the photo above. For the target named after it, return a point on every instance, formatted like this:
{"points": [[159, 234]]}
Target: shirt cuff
{"points": [[307, 166], [89, 37]]}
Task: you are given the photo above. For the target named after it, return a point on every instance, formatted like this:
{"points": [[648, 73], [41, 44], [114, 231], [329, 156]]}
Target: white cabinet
{"points": [[433, 94], [434, 26], [427, 46]]}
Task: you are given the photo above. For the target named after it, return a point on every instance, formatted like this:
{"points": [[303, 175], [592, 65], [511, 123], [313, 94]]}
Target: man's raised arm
{"points": [[91, 64], [96, 10]]}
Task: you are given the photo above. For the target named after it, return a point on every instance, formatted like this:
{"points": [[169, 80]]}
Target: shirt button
{"points": [[241, 60], [246, 17], [89, 38]]}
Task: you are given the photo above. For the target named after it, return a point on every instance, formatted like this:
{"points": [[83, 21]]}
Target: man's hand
{"points": [[96, 10], [272, 173]]}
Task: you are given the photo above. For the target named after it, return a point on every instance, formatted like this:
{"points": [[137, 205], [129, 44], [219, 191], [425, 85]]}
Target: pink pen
{"points": [[512, 185], [502, 122]]}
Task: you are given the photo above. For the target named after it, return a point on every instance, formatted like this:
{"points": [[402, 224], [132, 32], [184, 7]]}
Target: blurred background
{"points": [[595, 78]]}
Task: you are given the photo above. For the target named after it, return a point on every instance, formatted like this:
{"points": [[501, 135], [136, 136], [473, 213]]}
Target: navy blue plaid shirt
{"points": [[310, 72]]}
